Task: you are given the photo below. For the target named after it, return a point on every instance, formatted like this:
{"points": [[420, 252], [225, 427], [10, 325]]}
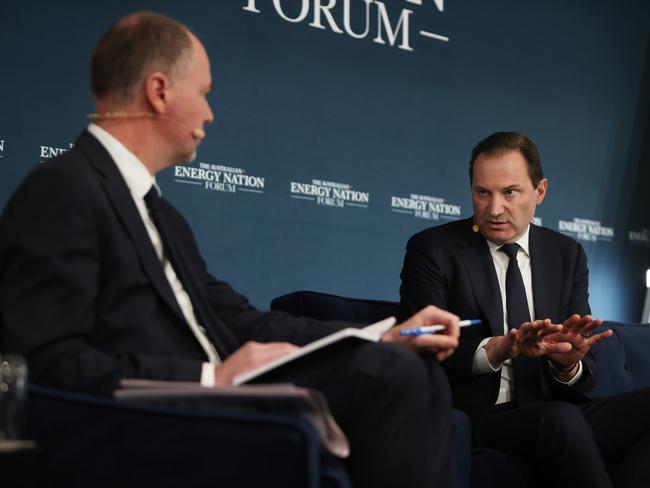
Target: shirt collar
{"points": [[522, 241], [134, 172]]}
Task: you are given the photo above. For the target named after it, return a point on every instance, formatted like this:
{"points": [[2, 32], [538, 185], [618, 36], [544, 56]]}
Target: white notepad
{"points": [[370, 333]]}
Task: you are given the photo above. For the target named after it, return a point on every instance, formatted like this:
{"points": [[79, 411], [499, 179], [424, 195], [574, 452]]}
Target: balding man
{"points": [[101, 278]]}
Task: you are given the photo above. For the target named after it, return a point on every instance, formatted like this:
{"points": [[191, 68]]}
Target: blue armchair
{"points": [[623, 360], [624, 365], [99, 442]]}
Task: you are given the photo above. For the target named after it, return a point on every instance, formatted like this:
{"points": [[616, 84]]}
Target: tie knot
{"points": [[510, 249], [152, 199]]}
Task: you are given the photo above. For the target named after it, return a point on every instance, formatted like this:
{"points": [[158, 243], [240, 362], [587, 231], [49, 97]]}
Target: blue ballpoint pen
{"points": [[432, 329]]}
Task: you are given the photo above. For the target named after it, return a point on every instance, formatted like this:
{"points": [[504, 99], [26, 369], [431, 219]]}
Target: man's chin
{"points": [[186, 158], [499, 237]]}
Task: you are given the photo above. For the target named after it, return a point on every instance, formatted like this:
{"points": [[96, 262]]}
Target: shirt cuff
{"points": [[573, 380], [481, 364], [207, 374]]}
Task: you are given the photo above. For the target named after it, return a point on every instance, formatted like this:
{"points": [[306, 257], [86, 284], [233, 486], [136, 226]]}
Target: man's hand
{"points": [[250, 356], [576, 330], [531, 339], [442, 343]]}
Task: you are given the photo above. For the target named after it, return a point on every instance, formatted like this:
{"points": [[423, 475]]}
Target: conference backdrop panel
{"points": [[342, 127]]}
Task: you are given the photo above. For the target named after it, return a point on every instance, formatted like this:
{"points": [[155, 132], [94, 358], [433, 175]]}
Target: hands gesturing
{"points": [[576, 331], [564, 344]]}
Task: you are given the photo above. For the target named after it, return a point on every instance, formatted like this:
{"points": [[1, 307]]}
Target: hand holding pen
{"points": [[432, 329], [442, 345]]}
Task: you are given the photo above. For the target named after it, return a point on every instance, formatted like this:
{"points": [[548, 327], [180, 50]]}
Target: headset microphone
{"points": [[196, 133], [475, 228]]}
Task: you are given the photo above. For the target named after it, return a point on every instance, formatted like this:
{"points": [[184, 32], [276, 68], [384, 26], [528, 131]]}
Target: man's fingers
{"points": [[581, 325], [573, 321], [559, 347], [251, 355], [430, 315], [260, 353], [435, 342], [442, 355], [550, 329], [529, 328], [537, 330], [591, 326], [596, 338]]}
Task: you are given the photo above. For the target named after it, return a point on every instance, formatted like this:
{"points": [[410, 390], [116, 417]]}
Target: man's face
{"points": [[503, 196], [190, 107]]}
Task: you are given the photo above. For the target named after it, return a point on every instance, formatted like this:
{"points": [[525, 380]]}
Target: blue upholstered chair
{"points": [[623, 359], [95, 442], [624, 365]]}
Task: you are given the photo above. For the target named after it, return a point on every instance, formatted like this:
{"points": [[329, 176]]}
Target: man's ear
{"points": [[541, 191], [157, 91]]}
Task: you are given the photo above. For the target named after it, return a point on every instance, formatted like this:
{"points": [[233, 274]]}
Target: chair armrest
{"points": [[100, 442]]}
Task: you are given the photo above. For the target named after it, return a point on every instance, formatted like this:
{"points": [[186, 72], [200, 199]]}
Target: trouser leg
{"points": [[621, 427], [552, 438], [395, 409]]}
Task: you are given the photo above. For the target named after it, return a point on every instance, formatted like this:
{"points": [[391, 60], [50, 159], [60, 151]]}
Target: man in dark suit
{"points": [[101, 279], [520, 380]]}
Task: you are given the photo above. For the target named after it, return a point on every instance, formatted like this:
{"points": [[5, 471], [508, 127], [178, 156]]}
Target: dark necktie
{"points": [[152, 199], [516, 302], [156, 210], [524, 369]]}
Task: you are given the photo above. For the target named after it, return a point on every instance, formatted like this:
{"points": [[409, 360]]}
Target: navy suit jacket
{"points": [[84, 297], [451, 267]]}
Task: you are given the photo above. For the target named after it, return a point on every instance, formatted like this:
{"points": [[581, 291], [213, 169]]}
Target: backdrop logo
{"points": [[48, 152], [217, 177], [537, 221], [425, 207], [586, 230], [2, 148], [330, 194], [639, 237], [358, 19]]}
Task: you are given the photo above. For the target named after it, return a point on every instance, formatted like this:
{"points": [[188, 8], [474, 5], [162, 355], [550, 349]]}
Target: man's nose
{"points": [[210, 115], [495, 207]]}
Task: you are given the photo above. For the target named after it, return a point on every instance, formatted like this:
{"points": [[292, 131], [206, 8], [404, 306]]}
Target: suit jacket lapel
{"points": [[122, 201], [480, 269], [546, 277]]}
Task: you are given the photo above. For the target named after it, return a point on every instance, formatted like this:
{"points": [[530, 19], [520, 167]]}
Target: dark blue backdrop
{"points": [[295, 103]]}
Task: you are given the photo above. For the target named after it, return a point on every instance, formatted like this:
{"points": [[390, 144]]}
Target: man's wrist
{"points": [[496, 353], [563, 370]]}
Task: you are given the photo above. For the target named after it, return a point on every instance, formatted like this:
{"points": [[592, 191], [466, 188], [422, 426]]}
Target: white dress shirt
{"points": [[481, 364], [139, 181]]}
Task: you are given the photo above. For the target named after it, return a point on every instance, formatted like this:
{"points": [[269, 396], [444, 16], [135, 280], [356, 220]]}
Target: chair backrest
{"points": [[623, 359], [323, 306]]}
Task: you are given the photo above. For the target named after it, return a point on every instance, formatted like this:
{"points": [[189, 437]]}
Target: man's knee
{"points": [[392, 362], [411, 374], [560, 413], [563, 422]]}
